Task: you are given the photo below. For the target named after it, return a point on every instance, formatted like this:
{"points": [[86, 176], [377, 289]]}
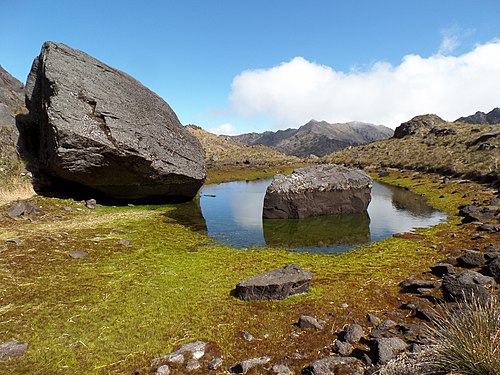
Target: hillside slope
{"points": [[11, 104], [317, 137], [223, 150], [428, 145]]}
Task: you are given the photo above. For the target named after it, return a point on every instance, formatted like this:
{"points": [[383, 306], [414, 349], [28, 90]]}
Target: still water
{"points": [[232, 213]]}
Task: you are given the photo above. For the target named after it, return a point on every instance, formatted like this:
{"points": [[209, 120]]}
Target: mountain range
{"points": [[492, 117], [317, 138]]}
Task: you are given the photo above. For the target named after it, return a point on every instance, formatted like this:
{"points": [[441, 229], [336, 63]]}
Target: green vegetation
{"points": [[467, 338], [124, 305]]}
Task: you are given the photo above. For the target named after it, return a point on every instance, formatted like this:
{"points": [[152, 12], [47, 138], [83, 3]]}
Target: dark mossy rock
{"points": [[277, 284], [95, 127], [416, 125]]}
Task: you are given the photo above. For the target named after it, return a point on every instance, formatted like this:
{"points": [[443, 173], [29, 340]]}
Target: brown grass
{"points": [[451, 154]]}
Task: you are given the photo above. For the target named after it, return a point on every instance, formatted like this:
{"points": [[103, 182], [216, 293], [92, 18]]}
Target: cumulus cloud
{"points": [[226, 129], [296, 91]]}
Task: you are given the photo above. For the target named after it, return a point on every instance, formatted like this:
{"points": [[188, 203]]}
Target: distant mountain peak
{"points": [[318, 137]]}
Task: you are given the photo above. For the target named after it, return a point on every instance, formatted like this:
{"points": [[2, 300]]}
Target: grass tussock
{"points": [[14, 182], [467, 338]]}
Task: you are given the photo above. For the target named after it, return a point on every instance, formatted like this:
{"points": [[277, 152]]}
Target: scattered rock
{"points": [[413, 286], [91, 203], [281, 370], [373, 319], [334, 365], [215, 363], [493, 269], [163, 370], [473, 277], [14, 240], [425, 314], [244, 366], [317, 190], [77, 254], [383, 349], [196, 349], [440, 269], [490, 228], [472, 213], [247, 336], [105, 131], [471, 259], [23, 208], [353, 333], [193, 364], [342, 348], [306, 321], [12, 349], [276, 284], [124, 243], [455, 290]]}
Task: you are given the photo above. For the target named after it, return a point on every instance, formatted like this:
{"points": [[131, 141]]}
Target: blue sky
{"points": [[240, 66]]}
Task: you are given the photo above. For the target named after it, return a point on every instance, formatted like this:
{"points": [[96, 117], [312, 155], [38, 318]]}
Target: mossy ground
{"points": [[124, 305]]}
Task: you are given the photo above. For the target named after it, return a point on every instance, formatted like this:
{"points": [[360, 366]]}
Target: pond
{"points": [[232, 213]]}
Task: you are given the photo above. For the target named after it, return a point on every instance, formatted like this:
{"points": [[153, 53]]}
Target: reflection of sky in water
{"points": [[234, 215]]}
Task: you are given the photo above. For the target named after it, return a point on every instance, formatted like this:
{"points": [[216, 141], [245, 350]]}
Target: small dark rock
{"points": [[244, 366], [163, 370], [124, 242], [281, 370], [473, 277], [215, 363], [334, 365], [247, 336], [342, 348], [77, 254], [440, 269], [373, 319], [412, 286], [12, 349], [353, 333], [455, 290], [490, 228], [471, 259], [193, 364], [91, 203], [14, 240], [23, 208], [383, 349], [306, 321], [493, 269], [277, 284], [425, 314]]}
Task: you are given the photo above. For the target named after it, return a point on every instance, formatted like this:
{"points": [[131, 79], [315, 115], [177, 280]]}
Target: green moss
{"points": [[124, 305]]}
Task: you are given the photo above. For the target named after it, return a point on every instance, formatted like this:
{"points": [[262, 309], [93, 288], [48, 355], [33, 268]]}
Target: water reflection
{"points": [[318, 232], [233, 215]]}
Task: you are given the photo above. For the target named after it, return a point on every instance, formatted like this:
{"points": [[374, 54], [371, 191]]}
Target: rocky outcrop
{"points": [[99, 129], [277, 284], [417, 125], [317, 190], [492, 117], [11, 104], [318, 138]]}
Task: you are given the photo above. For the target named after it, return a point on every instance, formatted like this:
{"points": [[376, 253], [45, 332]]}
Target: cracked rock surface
{"points": [[93, 126]]}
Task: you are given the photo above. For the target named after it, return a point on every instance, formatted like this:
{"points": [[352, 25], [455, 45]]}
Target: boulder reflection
{"points": [[320, 231]]}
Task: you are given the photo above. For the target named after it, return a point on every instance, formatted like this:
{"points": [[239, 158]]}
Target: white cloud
{"points": [[451, 40], [226, 129], [296, 91]]}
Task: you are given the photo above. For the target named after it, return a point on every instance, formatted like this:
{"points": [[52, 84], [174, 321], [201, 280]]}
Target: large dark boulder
{"points": [[100, 129], [417, 125], [277, 284], [318, 190]]}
